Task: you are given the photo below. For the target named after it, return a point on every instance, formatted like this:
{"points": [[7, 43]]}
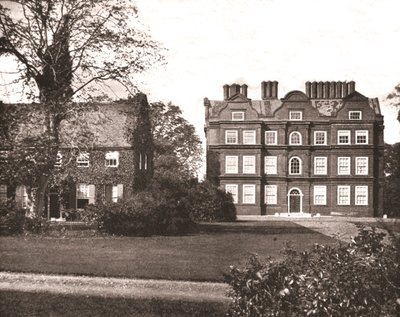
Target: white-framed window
{"points": [[362, 137], [249, 194], [271, 165], [83, 159], [361, 195], [295, 138], [249, 164], [112, 159], [320, 165], [85, 194], [231, 137], [355, 115], [295, 115], [231, 164], [343, 136], [271, 137], [319, 137], [249, 137], [271, 194], [343, 195], [117, 192], [237, 115], [343, 164], [58, 159], [295, 166], [319, 195], [233, 190], [362, 165]]}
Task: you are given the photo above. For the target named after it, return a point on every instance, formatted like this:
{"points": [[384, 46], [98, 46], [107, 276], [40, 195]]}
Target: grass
{"points": [[44, 304], [204, 256]]}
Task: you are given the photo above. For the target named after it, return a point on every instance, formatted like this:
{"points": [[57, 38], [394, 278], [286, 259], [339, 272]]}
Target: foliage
{"points": [[12, 218], [394, 99], [63, 48], [175, 136], [392, 180], [361, 278], [209, 203], [146, 213]]}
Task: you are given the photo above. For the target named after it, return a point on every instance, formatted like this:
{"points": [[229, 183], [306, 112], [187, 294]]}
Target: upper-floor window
{"points": [[58, 160], [83, 159], [295, 166], [249, 164], [361, 165], [231, 137], [112, 159], [249, 194], [271, 137], [362, 137], [233, 190], [271, 194], [320, 137], [319, 195], [343, 137], [295, 115], [231, 164], [355, 115], [249, 137], [238, 115], [320, 165], [295, 138], [361, 195], [343, 165], [270, 165]]}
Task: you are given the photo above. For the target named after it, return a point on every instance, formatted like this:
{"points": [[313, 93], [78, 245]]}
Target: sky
{"points": [[215, 42]]}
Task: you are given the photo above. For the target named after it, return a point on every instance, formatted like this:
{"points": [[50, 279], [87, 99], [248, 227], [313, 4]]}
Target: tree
{"points": [[394, 99], [175, 137], [392, 180], [62, 49]]}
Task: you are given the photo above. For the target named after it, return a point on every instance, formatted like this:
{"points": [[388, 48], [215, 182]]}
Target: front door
{"points": [[295, 201]]}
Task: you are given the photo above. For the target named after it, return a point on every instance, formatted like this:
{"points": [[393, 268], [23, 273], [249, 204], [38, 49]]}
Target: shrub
{"points": [[11, 218], [146, 213], [207, 202], [361, 278]]}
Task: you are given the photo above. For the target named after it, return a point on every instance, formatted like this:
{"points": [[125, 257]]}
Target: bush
{"points": [[361, 278], [12, 218], [146, 213], [207, 202]]}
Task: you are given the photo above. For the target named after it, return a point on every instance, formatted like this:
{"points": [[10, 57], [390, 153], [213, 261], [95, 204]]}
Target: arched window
{"points": [[295, 166], [295, 138]]}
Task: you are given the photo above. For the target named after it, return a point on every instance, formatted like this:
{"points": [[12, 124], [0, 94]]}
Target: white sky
{"points": [[215, 42]]}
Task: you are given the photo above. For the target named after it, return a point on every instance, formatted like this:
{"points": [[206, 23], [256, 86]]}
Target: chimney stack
{"points": [[329, 90], [231, 90], [269, 90]]}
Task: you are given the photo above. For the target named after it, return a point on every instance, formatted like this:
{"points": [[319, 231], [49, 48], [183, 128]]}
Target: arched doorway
{"points": [[295, 200]]}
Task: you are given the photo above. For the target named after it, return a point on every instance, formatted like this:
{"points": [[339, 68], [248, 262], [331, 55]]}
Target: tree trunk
{"points": [[40, 195]]}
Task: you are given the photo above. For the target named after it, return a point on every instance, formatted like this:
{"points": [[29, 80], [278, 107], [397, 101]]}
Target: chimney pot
{"points": [[332, 89], [344, 89], [338, 92], [244, 90], [226, 92], [314, 90], [308, 89]]}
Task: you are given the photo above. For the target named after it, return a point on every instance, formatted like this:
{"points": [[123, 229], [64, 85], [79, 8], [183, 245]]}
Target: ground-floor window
{"points": [[343, 195], [361, 195], [319, 195], [85, 194], [233, 190], [271, 194], [249, 194]]}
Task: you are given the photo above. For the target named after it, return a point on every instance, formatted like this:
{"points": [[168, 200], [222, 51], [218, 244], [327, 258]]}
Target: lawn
{"points": [[203, 256]]}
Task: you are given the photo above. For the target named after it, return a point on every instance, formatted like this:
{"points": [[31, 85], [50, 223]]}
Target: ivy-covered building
{"points": [[107, 158], [318, 151]]}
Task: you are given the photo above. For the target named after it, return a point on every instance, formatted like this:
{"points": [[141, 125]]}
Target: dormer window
{"points": [[112, 159], [355, 115], [295, 115], [238, 115]]}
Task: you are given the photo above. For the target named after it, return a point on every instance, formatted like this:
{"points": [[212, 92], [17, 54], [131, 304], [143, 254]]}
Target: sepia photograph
{"points": [[173, 158]]}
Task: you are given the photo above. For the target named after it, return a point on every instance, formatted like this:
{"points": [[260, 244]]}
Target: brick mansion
{"points": [[315, 152]]}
